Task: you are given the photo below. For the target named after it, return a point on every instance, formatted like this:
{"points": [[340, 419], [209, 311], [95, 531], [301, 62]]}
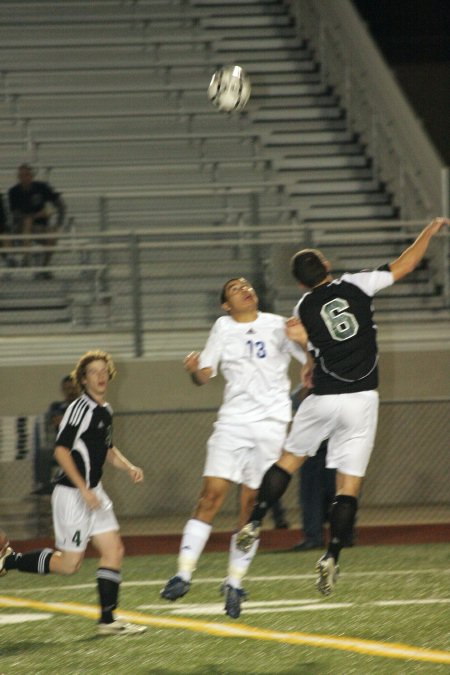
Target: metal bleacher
{"points": [[108, 101], [146, 84]]}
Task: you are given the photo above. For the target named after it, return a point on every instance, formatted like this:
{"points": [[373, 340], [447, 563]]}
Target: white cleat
{"points": [[118, 627], [328, 573]]}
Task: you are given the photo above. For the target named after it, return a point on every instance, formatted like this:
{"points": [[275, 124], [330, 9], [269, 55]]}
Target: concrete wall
{"points": [[171, 446], [150, 385]]}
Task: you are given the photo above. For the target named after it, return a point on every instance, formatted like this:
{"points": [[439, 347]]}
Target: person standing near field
{"points": [[337, 315], [82, 511]]}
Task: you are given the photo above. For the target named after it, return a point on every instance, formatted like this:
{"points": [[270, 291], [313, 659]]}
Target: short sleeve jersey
{"points": [[86, 430], [31, 200], [254, 359], [338, 317]]}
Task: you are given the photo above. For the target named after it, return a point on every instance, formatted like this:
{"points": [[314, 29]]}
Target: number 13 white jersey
{"points": [[254, 359]]}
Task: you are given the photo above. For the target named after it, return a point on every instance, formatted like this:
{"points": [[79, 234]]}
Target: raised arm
{"points": [[198, 375], [412, 256]]}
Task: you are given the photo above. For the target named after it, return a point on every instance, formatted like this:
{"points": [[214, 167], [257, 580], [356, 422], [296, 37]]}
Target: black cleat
{"points": [[175, 588], [233, 598]]}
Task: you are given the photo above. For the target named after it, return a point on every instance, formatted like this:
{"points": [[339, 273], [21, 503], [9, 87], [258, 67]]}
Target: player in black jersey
{"points": [[333, 320], [82, 511]]}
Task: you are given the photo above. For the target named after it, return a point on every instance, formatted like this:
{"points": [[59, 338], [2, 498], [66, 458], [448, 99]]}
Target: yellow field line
{"points": [[385, 649]]}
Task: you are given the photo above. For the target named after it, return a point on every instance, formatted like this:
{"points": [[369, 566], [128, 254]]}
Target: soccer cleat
{"points": [[4, 553], [175, 588], [246, 537], [233, 598], [328, 573], [118, 627], [223, 589]]}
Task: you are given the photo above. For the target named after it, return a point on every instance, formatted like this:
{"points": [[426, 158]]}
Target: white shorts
{"points": [[349, 421], [75, 523], [243, 453]]}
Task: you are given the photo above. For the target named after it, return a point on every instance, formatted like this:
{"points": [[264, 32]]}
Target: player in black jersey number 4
{"points": [[333, 320], [82, 511]]}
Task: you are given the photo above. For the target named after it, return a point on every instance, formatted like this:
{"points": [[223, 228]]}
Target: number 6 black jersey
{"points": [[338, 317]]}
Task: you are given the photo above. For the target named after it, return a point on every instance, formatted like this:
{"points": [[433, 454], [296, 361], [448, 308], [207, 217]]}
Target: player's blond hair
{"points": [[79, 372]]}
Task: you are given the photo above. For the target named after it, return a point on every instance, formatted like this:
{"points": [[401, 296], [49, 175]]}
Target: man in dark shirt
{"points": [[333, 320], [29, 202], [82, 511], [46, 435]]}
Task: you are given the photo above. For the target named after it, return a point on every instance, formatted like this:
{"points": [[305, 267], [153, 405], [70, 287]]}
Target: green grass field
{"points": [[390, 613]]}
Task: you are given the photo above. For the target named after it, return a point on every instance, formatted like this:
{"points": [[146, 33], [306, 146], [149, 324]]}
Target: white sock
{"points": [[239, 562], [195, 535]]}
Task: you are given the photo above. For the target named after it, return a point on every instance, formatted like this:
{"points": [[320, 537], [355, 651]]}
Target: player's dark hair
{"points": [[79, 373], [223, 292], [308, 267]]}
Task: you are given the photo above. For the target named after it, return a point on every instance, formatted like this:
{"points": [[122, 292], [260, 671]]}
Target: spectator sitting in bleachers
{"points": [[32, 203]]}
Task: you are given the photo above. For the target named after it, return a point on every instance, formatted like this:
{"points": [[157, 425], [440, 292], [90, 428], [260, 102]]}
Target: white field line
{"points": [[219, 580], [283, 606], [8, 619], [218, 610]]}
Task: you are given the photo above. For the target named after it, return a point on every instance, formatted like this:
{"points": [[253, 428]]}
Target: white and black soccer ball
{"points": [[229, 88]]}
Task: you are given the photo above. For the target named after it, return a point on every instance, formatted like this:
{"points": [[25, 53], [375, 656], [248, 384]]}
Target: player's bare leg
{"points": [[273, 486], [66, 562]]}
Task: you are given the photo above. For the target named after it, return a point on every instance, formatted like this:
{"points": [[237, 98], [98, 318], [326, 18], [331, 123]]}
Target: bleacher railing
{"points": [[378, 111], [119, 280]]}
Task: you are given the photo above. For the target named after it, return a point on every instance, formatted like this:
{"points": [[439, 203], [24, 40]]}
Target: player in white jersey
{"points": [[343, 406], [254, 353]]}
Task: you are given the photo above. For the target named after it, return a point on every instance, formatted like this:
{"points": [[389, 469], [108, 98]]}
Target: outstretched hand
{"points": [[437, 224]]}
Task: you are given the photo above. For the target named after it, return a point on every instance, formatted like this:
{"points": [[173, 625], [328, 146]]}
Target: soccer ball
{"points": [[229, 88]]}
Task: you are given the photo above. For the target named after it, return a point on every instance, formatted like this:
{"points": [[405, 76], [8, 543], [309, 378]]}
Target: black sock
{"points": [[108, 582], [273, 486], [34, 562], [342, 521]]}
